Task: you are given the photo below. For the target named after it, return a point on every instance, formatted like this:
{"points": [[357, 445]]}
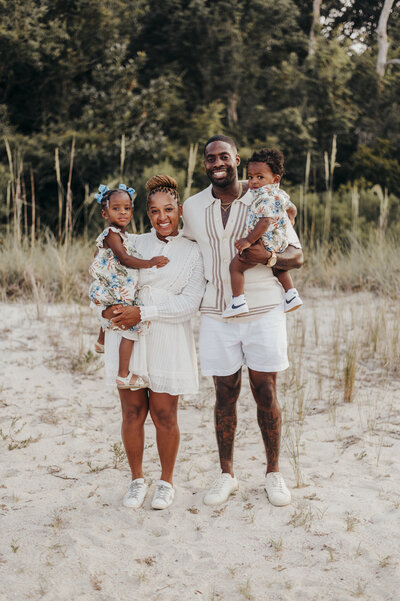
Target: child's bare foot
{"points": [[131, 381]]}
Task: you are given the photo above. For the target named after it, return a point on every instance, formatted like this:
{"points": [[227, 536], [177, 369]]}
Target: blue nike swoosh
{"points": [[289, 301], [237, 306]]}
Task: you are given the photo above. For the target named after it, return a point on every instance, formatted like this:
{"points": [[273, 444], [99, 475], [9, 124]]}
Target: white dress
{"points": [[171, 296]]}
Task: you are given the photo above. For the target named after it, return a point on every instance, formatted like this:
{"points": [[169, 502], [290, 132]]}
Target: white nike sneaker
{"points": [[236, 307], [292, 300]]}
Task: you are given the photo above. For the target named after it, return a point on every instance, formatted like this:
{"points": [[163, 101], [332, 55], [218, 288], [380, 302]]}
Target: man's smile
{"points": [[220, 173]]}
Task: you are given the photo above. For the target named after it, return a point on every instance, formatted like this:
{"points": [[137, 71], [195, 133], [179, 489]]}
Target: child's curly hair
{"points": [[162, 183], [272, 157], [105, 200]]}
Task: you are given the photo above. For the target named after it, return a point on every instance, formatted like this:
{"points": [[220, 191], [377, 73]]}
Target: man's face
{"points": [[221, 163]]}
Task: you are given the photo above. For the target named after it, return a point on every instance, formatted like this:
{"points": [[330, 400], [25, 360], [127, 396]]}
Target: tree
{"points": [[383, 43]]}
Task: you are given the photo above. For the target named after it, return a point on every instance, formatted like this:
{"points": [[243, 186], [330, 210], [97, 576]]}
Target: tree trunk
{"points": [[314, 25], [383, 43], [232, 109]]}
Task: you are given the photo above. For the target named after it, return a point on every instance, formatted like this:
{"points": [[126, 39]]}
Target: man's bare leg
{"points": [[263, 387], [227, 389]]}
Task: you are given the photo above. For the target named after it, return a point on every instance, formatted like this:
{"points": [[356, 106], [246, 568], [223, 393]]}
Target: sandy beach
{"points": [[66, 536]]}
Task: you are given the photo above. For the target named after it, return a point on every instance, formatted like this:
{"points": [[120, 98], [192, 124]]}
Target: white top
{"points": [[203, 223], [171, 295]]}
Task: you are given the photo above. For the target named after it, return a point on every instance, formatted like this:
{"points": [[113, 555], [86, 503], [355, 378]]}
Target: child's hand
{"points": [[291, 213], [242, 244], [158, 262]]}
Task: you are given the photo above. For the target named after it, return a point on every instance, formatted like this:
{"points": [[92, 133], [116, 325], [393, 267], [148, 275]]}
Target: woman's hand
{"points": [[125, 317], [109, 312]]}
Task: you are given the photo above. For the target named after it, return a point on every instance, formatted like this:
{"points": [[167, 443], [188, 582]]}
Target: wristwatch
{"points": [[272, 260]]}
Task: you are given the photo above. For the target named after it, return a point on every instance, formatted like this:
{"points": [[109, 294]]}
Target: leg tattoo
{"points": [[269, 418], [227, 390]]}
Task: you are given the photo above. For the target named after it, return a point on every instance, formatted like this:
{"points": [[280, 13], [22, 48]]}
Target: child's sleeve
{"points": [[286, 202], [270, 205]]}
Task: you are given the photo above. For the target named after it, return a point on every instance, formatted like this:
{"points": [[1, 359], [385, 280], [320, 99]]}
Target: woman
{"points": [[170, 297]]}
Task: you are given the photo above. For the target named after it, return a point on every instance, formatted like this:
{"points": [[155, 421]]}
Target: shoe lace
{"points": [[134, 489], [277, 482], [219, 484], [162, 492]]}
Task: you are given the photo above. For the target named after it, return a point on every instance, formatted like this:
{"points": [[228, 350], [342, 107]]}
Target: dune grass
{"points": [[55, 273], [49, 272]]}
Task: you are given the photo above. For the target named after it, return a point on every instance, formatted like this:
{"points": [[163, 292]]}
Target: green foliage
{"points": [[135, 83], [378, 164]]}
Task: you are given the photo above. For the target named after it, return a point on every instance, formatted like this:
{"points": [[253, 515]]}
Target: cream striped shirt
{"points": [[203, 223]]}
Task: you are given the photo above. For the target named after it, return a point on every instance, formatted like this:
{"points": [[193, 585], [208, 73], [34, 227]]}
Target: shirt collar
{"points": [[245, 199], [169, 238], [268, 188]]}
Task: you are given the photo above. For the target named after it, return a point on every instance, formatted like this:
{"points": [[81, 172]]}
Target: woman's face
{"points": [[164, 213]]}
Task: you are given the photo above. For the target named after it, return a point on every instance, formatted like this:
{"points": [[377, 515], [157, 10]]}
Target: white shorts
{"points": [[261, 344]]}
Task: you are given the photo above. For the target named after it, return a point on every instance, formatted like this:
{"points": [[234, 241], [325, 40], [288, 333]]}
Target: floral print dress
{"points": [[113, 283], [270, 201]]}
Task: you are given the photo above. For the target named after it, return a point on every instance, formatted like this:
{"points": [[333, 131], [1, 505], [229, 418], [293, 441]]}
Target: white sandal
{"points": [[98, 348], [124, 383]]}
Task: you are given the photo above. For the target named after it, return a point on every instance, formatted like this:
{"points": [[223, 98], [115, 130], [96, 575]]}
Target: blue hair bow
{"points": [[102, 190], [130, 191]]}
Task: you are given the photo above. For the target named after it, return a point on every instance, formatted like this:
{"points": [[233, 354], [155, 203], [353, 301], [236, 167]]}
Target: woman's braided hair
{"points": [[162, 183]]}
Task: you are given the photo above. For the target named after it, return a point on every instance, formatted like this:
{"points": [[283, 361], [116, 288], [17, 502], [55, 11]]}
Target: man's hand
{"points": [[291, 258], [256, 253], [126, 317], [242, 244]]}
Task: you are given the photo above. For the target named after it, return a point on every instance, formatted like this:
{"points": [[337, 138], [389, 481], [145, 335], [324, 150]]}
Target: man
{"points": [[216, 218]]}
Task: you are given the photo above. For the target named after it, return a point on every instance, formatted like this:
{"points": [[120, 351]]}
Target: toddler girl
{"points": [[115, 272], [267, 219]]}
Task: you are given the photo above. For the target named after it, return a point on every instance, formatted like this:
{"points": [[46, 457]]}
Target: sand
{"points": [[66, 536]]}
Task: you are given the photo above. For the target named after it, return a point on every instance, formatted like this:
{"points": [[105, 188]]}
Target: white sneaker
{"points": [[136, 493], [236, 308], [163, 496], [277, 491], [292, 300], [220, 491]]}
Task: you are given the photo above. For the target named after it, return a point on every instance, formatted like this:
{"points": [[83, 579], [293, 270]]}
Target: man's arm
{"points": [[291, 258]]}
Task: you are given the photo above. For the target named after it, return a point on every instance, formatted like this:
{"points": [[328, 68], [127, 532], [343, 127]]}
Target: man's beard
{"points": [[226, 181]]}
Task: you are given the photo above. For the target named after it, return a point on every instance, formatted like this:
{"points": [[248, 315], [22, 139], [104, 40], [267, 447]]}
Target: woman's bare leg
{"points": [[135, 407], [164, 413]]}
